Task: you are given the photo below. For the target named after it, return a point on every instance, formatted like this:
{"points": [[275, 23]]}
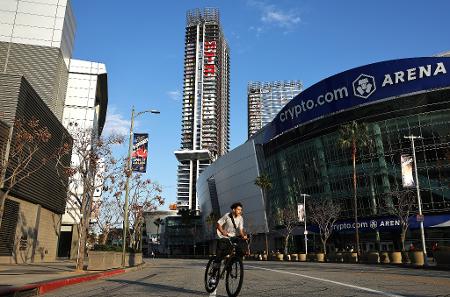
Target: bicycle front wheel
{"points": [[235, 277], [211, 275]]}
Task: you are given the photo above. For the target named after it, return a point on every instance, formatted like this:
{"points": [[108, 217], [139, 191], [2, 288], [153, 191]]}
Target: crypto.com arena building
{"points": [[299, 151]]}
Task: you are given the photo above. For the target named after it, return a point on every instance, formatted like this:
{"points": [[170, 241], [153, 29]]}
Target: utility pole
{"points": [[304, 216], [419, 200], [129, 172]]}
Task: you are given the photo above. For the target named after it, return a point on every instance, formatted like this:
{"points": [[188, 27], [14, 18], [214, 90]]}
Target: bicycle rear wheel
{"points": [[235, 277], [211, 275]]}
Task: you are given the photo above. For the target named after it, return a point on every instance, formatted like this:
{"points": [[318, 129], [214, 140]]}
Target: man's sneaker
{"points": [[212, 281]]}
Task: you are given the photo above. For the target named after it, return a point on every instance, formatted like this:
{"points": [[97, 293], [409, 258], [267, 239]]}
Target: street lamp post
{"points": [[304, 216], [419, 200], [128, 172]]}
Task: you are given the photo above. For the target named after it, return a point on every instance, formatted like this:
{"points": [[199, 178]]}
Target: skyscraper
{"points": [[265, 100], [206, 105]]}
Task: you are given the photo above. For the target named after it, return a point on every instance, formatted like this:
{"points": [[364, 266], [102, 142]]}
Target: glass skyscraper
{"points": [[266, 99]]}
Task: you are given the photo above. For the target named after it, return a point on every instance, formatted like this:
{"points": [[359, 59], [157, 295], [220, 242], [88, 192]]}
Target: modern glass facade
{"points": [[319, 166], [300, 152], [266, 99]]}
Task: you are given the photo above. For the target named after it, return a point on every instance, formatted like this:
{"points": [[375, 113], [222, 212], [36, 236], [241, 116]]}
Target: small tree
{"points": [[354, 136], [92, 166], [324, 212], [109, 216], [145, 195], [24, 154], [286, 219], [158, 222], [211, 221], [401, 207], [263, 181]]}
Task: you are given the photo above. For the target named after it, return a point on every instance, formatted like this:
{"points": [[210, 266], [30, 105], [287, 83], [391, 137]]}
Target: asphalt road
{"points": [[175, 277]]}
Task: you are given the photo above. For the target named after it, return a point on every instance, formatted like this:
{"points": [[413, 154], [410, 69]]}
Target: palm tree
{"points": [[158, 222], [354, 136], [263, 181]]}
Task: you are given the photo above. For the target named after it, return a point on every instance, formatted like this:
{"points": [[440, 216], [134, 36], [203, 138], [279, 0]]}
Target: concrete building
{"points": [[265, 100], [205, 118], [36, 41], [32, 217], [85, 110], [154, 225], [300, 153]]}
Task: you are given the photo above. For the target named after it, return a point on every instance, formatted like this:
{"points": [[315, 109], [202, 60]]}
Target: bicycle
{"points": [[234, 269]]}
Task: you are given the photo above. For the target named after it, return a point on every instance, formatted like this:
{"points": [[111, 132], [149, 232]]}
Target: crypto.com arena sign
{"points": [[361, 86]]}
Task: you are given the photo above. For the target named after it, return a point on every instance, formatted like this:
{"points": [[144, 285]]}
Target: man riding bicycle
{"points": [[231, 247], [230, 229]]}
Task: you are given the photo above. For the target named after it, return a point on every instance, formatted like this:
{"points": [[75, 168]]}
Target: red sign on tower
{"points": [[209, 68]]}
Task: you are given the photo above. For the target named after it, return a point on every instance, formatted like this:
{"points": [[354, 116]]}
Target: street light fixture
{"points": [[304, 216], [419, 200], [129, 172]]}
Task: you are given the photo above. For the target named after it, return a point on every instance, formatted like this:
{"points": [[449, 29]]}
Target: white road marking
{"points": [[330, 281]]}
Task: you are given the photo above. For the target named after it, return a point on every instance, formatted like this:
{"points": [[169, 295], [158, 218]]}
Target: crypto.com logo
{"points": [[364, 86]]}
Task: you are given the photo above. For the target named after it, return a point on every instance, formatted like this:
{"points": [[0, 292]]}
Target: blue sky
{"points": [[142, 44]]}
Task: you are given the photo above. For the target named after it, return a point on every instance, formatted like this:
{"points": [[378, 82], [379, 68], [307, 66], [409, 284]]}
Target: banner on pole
{"points": [[140, 152], [301, 212], [407, 171]]}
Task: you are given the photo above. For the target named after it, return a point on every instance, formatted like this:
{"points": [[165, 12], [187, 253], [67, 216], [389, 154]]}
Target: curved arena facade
{"points": [[300, 152]]}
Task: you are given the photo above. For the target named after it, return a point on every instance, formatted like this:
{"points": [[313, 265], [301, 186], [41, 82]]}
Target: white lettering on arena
{"points": [[389, 79], [305, 105], [411, 74]]}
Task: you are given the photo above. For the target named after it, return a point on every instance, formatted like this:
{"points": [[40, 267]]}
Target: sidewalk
{"points": [[43, 277]]}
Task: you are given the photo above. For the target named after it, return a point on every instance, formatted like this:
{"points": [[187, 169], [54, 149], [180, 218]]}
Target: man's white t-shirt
{"points": [[227, 225]]}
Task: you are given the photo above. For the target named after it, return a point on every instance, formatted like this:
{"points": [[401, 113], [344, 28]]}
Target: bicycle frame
{"points": [[227, 259]]}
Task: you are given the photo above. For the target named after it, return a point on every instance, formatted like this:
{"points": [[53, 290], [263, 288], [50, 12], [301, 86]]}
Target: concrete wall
{"points": [[82, 110], [37, 233], [38, 22], [235, 175]]}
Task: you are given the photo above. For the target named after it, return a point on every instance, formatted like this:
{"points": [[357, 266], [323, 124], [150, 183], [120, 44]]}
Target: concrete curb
{"points": [[50, 285]]}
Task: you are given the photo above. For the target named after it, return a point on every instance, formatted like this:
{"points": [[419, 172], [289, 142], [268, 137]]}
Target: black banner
{"points": [[140, 152]]}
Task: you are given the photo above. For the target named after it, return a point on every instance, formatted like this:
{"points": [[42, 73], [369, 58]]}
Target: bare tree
{"points": [[24, 154], [401, 207], [145, 195], [324, 212], [287, 219], [92, 165], [109, 216]]}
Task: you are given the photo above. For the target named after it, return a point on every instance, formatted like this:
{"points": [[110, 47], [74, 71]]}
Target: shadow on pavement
{"points": [[161, 287]]}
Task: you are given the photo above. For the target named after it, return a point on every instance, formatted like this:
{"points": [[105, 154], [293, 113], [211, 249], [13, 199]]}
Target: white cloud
{"points": [[115, 123], [275, 16], [174, 95], [284, 19]]}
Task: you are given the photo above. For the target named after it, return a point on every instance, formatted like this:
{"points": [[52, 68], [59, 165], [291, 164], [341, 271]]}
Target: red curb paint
{"points": [[53, 285], [45, 287]]}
